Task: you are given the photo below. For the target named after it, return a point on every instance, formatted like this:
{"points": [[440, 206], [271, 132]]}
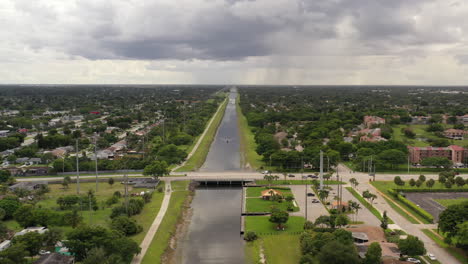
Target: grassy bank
{"points": [[367, 204], [147, 216], [199, 157], [252, 252], [455, 252], [248, 146], [168, 226], [262, 225]]}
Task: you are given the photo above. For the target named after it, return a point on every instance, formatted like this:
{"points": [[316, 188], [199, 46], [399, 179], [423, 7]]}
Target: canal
{"points": [[213, 234], [224, 153]]}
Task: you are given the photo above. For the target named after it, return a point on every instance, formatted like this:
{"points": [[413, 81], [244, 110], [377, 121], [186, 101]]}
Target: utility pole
{"points": [[408, 162], [321, 170], [126, 192], [96, 162], [77, 170]]}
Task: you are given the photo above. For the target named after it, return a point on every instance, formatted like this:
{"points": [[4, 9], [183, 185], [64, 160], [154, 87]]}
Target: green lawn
{"points": [[448, 202], [384, 186], [147, 216], [257, 191], [367, 204], [179, 185], [262, 225], [101, 216], [252, 252], [198, 158], [248, 146], [401, 212], [282, 249], [168, 226], [455, 252], [259, 205], [295, 182], [420, 131]]}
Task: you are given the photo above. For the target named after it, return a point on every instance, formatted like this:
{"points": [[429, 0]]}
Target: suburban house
{"points": [[4, 245], [54, 121], [41, 230], [369, 121], [4, 133], [55, 258], [267, 194], [29, 186], [365, 235], [454, 153], [455, 133], [371, 135], [420, 120]]}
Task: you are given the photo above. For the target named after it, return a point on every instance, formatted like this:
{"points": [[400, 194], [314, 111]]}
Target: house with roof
{"points": [[29, 186], [4, 133], [369, 121], [4, 245], [454, 153], [455, 133], [269, 193], [38, 229]]}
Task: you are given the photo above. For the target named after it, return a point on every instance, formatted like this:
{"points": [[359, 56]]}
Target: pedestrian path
{"points": [[155, 225]]}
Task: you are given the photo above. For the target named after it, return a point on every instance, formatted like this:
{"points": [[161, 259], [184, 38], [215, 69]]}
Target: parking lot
{"points": [[425, 200]]}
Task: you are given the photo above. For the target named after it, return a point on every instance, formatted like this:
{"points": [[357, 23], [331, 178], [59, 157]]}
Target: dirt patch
{"points": [[373, 233], [171, 255]]}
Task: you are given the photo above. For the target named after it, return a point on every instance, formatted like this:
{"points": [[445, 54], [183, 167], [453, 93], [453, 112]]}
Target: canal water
{"points": [[224, 154], [213, 235], [214, 232]]}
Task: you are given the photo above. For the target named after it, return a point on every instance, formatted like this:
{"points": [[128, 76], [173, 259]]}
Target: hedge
{"points": [[416, 208], [431, 190]]}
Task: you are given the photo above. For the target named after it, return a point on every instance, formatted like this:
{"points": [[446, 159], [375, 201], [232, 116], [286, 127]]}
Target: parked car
{"points": [[431, 256], [413, 260], [313, 176], [291, 176], [315, 201], [310, 194], [43, 252]]}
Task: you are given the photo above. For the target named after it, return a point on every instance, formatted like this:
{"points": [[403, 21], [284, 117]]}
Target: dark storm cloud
{"points": [[229, 30]]}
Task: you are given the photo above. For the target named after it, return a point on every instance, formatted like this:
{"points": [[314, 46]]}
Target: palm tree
{"points": [[357, 207], [323, 194], [269, 178]]}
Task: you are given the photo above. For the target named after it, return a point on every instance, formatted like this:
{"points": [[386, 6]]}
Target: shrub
{"points": [[416, 208], [126, 225], [250, 236]]}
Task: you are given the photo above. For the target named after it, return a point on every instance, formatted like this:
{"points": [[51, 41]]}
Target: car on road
{"points": [[310, 194], [431, 256], [313, 176], [266, 172], [43, 252], [413, 260], [315, 201], [291, 175]]}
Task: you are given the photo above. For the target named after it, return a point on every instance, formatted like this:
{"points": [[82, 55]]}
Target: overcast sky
{"points": [[234, 41]]}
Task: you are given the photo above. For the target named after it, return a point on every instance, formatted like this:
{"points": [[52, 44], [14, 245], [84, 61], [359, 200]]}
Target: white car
{"points": [[431, 256], [265, 172], [413, 260], [43, 252]]}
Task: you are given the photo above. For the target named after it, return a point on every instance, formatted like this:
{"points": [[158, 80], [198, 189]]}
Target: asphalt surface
{"points": [[427, 201]]}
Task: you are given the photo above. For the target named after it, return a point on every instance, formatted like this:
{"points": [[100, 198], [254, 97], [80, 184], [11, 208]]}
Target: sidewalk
{"points": [[155, 225]]}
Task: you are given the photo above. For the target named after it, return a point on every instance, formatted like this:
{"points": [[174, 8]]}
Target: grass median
{"points": [[168, 226], [248, 146], [367, 204], [199, 156]]}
